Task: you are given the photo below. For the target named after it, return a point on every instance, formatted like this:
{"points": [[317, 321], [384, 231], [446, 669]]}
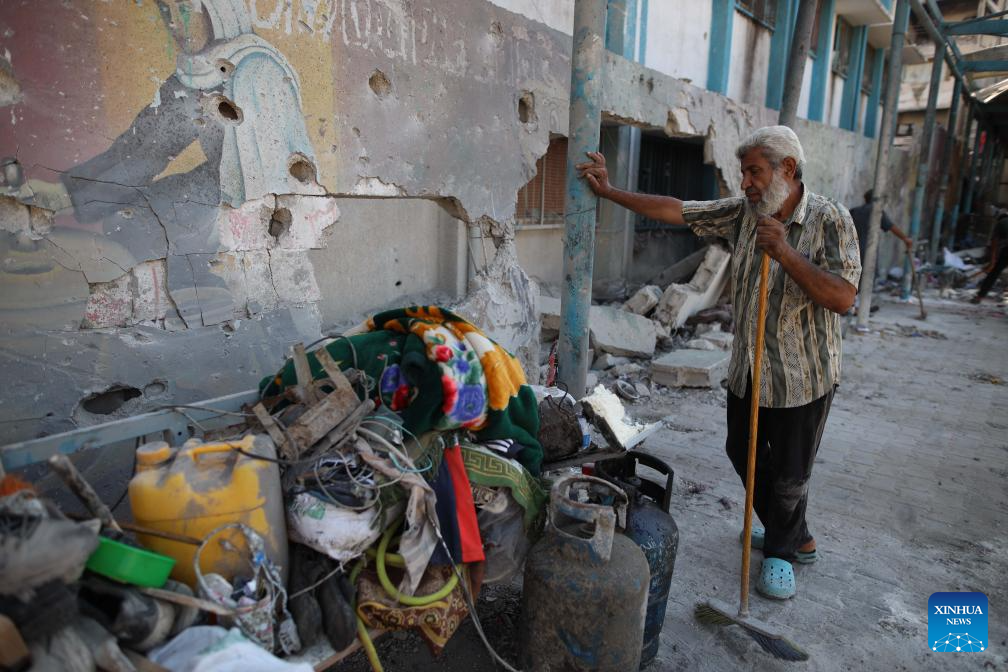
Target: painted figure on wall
{"points": [[225, 128]]}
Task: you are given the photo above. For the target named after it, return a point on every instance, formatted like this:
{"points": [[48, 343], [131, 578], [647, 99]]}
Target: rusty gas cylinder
{"points": [[585, 589], [651, 527]]}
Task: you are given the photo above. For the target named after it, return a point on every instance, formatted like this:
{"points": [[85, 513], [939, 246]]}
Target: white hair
{"points": [[777, 143]]}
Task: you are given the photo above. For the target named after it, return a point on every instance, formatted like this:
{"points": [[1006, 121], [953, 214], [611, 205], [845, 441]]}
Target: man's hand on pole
{"points": [[596, 174]]}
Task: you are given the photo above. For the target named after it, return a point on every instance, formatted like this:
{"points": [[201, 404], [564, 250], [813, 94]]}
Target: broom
{"points": [[715, 612]]}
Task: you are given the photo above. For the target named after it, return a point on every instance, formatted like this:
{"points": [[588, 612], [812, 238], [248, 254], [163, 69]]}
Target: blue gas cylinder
{"points": [[585, 589], [651, 527]]}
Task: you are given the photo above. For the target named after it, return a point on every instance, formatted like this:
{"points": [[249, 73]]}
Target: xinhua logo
{"points": [[957, 622]]}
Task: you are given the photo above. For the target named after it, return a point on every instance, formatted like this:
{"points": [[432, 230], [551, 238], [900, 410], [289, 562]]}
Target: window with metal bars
{"points": [[762, 11], [541, 201]]}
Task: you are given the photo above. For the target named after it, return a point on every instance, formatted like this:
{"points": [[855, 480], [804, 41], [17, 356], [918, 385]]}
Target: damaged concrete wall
{"points": [[189, 186]]}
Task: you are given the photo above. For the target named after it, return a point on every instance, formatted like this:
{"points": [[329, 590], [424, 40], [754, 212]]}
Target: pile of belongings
{"points": [[407, 457], [410, 457]]}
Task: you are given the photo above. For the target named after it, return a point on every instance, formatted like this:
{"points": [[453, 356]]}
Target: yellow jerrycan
{"points": [[195, 489]]}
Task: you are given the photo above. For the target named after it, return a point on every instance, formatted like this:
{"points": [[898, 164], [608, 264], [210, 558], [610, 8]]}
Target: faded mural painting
{"points": [[169, 169]]}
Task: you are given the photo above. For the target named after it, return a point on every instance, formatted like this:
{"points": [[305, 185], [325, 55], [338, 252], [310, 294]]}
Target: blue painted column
{"points": [[719, 53], [850, 105], [780, 48], [579, 206], [945, 167], [924, 162], [821, 69], [871, 113]]}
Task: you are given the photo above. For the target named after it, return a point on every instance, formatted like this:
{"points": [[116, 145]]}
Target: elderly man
{"points": [[814, 272]]}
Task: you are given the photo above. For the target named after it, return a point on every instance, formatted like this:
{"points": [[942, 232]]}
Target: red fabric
{"points": [[465, 508]]}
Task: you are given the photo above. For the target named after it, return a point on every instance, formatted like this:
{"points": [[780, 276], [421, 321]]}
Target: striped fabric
{"points": [[801, 360]]}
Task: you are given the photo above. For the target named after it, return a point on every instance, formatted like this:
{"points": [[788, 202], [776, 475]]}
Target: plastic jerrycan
{"points": [[585, 587], [651, 527], [195, 489]]}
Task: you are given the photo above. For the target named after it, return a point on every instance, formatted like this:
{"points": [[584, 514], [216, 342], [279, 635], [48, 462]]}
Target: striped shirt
{"points": [[801, 357]]}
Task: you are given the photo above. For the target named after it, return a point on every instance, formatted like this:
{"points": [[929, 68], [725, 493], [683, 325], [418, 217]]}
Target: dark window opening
{"points": [[673, 168], [869, 70]]}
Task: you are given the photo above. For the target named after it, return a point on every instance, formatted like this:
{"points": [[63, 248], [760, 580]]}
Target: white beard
{"points": [[773, 197]]}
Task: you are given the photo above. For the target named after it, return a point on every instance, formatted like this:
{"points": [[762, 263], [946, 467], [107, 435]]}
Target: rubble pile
{"points": [[675, 331]]}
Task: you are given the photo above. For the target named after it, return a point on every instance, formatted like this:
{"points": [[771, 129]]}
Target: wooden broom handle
{"points": [[753, 427]]}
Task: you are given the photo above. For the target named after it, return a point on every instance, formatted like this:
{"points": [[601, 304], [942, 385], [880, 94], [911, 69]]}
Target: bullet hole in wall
{"points": [[280, 222], [526, 107], [301, 168], [109, 401], [225, 66], [228, 110], [380, 84]]}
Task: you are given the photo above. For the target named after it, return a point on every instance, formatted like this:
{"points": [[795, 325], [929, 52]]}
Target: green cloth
{"points": [[484, 467]]}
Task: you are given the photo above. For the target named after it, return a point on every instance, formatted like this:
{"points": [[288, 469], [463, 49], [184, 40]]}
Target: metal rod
{"points": [[924, 162], [952, 57], [971, 184], [963, 169], [580, 203], [800, 42], [888, 129], [945, 167], [542, 190]]}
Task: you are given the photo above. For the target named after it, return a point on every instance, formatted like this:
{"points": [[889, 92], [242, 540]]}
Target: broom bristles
{"points": [[773, 643]]}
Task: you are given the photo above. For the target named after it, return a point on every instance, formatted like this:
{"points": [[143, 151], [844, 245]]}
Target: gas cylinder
{"points": [[651, 527], [585, 588], [194, 490]]}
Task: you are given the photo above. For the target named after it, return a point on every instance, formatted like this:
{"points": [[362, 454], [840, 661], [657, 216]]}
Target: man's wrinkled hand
{"points": [[771, 237], [596, 174]]}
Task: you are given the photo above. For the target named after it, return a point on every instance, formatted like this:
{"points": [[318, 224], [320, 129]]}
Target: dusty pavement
{"points": [[909, 497]]}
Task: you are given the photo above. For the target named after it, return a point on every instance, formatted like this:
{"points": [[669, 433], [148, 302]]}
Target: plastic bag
{"points": [[210, 648]]}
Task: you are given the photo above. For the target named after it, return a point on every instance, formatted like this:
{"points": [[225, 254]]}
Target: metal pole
{"points": [[945, 167], [924, 163], [800, 42], [963, 170], [888, 130], [579, 206], [971, 183]]}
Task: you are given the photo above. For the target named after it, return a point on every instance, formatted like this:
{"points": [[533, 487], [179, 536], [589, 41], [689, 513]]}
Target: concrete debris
{"points": [[606, 361], [681, 271], [679, 302], [620, 332], [643, 391], [644, 301], [624, 370], [690, 368], [712, 340]]}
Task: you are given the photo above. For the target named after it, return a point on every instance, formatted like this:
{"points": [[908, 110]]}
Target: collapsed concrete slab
{"points": [[619, 332], [644, 301], [607, 361], [680, 301], [690, 368], [681, 271]]}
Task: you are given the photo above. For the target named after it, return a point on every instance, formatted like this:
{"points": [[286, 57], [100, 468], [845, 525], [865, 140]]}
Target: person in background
{"points": [[861, 215], [999, 256]]}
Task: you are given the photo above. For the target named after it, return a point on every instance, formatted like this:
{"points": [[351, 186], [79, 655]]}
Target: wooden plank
{"points": [[332, 369], [271, 427], [323, 417], [301, 368]]}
